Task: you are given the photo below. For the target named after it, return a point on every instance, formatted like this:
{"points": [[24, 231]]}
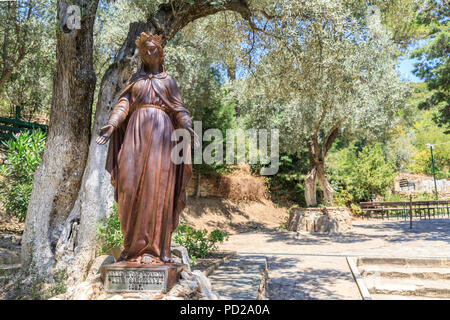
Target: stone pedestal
{"points": [[322, 220], [127, 276]]}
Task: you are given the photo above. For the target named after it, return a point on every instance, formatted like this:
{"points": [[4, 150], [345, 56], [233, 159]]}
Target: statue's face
{"points": [[149, 53]]}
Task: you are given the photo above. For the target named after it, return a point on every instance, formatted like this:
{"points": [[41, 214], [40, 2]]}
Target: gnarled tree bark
{"points": [[310, 180], [317, 167], [58, 179]]}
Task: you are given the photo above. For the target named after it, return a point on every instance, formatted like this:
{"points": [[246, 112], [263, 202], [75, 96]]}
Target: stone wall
{"points": [[406, 183], [239, 185], [322, 220], [209, 186]]}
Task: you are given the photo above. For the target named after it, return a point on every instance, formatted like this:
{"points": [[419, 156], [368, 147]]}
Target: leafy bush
{"points": [[197, 242], [356, 209], [373, 174], [23, 157], [358, 176], [343, 197], [109, 232]]}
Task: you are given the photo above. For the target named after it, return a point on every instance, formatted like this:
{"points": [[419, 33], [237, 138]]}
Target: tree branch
{"points": [[7, 73], [172, 17], [329, 138], [314, 149], [5, 51]]}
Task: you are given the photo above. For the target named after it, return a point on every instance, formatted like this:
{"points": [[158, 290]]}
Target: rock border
{"points": [[262, 293], [217, 263]]}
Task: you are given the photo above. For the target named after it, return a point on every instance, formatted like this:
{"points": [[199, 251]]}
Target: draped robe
{"points": [[149, 188]]}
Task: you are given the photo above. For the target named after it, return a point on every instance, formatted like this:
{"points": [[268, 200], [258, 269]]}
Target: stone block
{"points": [[127, 276], [321, 220]]}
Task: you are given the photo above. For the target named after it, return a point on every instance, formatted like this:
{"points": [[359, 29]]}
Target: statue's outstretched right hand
{"points": [[105, 134]]}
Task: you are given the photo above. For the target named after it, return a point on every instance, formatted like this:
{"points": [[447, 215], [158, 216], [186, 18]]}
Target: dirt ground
{"points": [[233, 217], [10, 224]]}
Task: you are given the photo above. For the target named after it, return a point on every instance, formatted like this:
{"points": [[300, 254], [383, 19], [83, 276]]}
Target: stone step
{"points": [[408, 287], [389, 271], [9, 257], [239, 278], [400, 297], [6, 269], [405, 262], [10, 241]]}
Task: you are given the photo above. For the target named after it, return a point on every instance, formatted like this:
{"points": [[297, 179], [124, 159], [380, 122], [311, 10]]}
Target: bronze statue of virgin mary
{"points": [[148, 187]]}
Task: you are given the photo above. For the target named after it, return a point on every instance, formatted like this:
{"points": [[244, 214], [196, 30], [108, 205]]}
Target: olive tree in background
{"points": [[325, 72]]}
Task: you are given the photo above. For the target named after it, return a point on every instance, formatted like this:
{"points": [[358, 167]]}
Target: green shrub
{"points": [[23, 157], [343, 197], [356, 209], [358, 176], [109, 232], [373, 174], [197, 242]]}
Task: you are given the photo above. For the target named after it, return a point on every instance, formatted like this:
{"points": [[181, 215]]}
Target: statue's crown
{"points": [[144, 37]]}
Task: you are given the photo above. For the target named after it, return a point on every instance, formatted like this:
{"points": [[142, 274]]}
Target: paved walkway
{"points": [[313, 266], [239, 278], [310, 278], [428, 238]]}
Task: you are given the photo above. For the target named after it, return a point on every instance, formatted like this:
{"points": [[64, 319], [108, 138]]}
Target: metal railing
{"points": [[423, 209], [10, 126]]}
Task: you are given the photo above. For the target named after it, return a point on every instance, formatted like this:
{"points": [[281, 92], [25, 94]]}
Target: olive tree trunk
{"points": [[310, 182], [317, 168], [324, 184], [90, 202], [58, 179]]}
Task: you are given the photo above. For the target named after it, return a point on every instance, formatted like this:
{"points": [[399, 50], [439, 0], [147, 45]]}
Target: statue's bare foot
{"points": [[167, 259], [146, 259]]}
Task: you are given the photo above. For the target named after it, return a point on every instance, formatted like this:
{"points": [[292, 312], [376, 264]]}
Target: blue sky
{"points": [[405, 67]]}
